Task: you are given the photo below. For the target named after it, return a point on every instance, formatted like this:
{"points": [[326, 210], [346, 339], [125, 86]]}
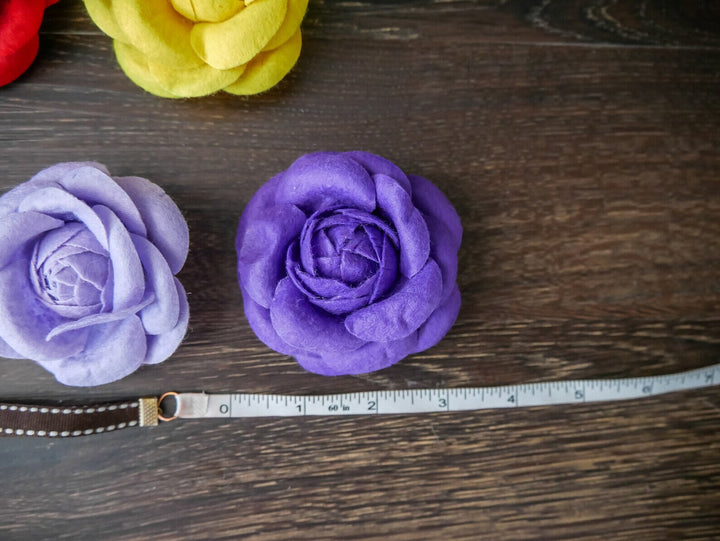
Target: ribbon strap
{"points": [[73, 421]]}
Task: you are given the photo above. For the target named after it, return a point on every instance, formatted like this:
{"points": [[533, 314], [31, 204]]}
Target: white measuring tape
{"points": [[201, 405]]}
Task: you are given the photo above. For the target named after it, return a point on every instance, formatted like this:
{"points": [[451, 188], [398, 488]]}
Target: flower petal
{"points": [[7, 352], [48, 177], [161, 346], [312, 244], [257, 209], [76, 247], [331, 295], [402, 312], [157, 30], [166, 227], [25, 321], [324, 180], [387, 273], [261, 243], [162, 315], [263, 199], [10, 201], [101, 12], [92, 268], [207, 11], [87, 294], [114, 350], [135, 65], [443, 250], [439, 322], [19, 23], [314, 363], [409, 223], [237, 40], [128, 278], [304, 326], [55, 173], [341, 305], [293, 17], [367, 358], [193, 82], [95, 187], [355, 269], [375, 164], [364, 247], [64, 206], [259, 318], [268, 68], [14, 65], [432, 201], [99, 319], [344, 216], [319, 286], [18, 229], [57, 239]]}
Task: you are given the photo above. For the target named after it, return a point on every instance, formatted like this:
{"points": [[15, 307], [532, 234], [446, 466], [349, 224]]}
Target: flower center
{"points": [[344, 252], [69, 270], [345, 258]]}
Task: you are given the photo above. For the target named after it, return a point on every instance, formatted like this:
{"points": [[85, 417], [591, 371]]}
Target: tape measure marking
{"points": [[410, 401]]}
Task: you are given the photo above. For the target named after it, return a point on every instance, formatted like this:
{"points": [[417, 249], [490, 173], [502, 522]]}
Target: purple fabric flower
{"points": [[348, 264], [87, 264]]}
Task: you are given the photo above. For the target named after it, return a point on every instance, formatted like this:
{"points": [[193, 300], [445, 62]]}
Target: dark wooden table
{"points": [[579, 141]]}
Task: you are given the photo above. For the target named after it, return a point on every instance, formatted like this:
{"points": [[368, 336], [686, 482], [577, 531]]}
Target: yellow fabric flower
{"points": [[188, 48]]}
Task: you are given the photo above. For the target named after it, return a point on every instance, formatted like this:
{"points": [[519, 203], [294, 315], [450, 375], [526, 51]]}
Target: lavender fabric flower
{"points": [[348, 264], [87, 264]]}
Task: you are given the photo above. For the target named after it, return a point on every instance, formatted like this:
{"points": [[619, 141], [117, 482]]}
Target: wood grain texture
{"points": [[579, 143]]}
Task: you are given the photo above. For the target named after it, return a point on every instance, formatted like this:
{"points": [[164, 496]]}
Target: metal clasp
{"points": [[161, 413]]}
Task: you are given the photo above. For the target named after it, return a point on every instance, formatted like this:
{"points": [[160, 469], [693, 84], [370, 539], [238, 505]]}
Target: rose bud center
{"points": [[69, 270], [345, 258], [344, 252]]}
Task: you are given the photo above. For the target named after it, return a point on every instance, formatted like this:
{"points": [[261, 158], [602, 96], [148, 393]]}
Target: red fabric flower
{"points": [[19, 24]]}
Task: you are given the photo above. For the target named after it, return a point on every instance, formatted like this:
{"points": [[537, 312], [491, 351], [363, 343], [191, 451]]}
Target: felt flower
{"points": [[87, 264], [348, 264], [187, 48], [19, 24]]}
